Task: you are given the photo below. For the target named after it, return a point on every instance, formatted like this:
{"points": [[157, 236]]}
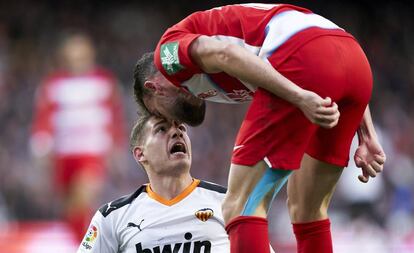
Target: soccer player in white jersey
{"points": [[173, 213], [291, 63]]}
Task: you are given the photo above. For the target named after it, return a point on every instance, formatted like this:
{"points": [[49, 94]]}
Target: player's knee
{"points": [[231, 207], [293, 208], [226, 211], [306, 211]]}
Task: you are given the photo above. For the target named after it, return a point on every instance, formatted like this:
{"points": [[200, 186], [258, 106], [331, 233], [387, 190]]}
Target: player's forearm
{"points": [[213, 56], [250, 68], [366, 129]]}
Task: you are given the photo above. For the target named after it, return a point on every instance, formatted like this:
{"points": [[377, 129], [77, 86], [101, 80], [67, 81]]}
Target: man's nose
{"points": [[177, 133], [177, 130]]}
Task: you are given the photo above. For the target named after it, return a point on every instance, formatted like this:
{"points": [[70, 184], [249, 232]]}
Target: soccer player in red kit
{"points": [[79, 128], [297, 68]]}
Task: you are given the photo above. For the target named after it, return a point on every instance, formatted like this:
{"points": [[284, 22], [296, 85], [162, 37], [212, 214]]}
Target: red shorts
{"points": [[276, 131], [70, 169]]}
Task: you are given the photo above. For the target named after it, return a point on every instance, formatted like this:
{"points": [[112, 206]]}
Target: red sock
{"points": [[313, 237], [248, 234]]}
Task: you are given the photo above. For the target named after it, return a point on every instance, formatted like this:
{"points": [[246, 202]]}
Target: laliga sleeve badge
{"points": [[90, 237], [204, 214]]}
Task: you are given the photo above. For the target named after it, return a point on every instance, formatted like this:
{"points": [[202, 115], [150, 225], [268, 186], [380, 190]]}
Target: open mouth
{"points": [[178, 147]]}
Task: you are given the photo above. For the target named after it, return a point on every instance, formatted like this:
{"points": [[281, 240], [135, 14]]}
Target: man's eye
{"points": [[160, 129], [182, 128]]}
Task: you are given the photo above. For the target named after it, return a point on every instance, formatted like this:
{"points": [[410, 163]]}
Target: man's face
{"points": [[173, 103], [78, 55], [166, 148]]}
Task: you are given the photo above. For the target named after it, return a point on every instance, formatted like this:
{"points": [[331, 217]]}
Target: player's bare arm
{"points": [[214, 56], [370, 156]]}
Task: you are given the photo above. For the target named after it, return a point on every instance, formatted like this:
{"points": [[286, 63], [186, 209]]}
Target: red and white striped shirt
{"points": [[78, 115]]}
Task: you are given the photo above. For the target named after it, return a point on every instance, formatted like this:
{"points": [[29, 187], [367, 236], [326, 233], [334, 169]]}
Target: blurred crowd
{"points": [[30, 32]]}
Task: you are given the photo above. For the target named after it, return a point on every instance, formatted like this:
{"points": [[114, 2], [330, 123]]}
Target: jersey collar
{"points": [[176, 199]]}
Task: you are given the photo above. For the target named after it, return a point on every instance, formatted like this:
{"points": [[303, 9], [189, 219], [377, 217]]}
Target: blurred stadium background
{"points": [[375, 217]]}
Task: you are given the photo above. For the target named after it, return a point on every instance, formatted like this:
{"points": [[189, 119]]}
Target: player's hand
{"points": [[322, 112], [370, 157]]}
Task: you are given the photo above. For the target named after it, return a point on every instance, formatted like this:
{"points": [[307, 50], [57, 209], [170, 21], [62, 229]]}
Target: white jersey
{"points": [[144, 222]]}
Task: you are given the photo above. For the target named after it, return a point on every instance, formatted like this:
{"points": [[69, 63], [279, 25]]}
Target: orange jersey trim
{"points": [[176, 199]]}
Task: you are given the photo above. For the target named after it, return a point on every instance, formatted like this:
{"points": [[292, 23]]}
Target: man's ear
{"points": [[153, 87], [138, 153], [150, 85]]}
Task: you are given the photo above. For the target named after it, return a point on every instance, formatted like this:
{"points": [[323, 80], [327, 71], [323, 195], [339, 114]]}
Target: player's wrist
{"points": [[297, 97], [365, 132]]}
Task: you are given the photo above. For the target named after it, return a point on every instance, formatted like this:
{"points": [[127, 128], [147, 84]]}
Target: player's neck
{"points": [[76, 70], [170, 187]]}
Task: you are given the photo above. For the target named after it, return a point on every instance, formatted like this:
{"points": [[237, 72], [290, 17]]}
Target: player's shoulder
{"points": [[209, 186], [108, 208], [55, 76]]}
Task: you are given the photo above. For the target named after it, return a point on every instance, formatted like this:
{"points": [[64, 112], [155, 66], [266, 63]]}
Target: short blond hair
{"points": [[137, 134]]}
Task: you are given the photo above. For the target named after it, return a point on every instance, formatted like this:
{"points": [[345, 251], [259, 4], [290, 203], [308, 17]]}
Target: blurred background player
{"points": [[174, 212], [78, 129]]}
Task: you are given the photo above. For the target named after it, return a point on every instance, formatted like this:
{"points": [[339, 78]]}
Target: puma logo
{"points": [[131, 225]]}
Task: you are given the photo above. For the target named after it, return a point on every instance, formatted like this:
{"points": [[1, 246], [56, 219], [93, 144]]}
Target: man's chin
{"points": [[189, 114], [178, 164], [192, 122]]}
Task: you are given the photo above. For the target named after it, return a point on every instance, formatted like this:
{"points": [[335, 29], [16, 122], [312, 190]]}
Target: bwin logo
{"points": [[196, 246]]}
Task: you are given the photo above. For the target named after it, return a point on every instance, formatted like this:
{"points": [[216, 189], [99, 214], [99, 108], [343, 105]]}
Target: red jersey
{"points": [[263, 29], [78, 115]]}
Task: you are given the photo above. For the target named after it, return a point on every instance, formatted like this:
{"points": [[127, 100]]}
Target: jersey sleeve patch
{"points": [[172, 56], [169, 58], [89, 239]]}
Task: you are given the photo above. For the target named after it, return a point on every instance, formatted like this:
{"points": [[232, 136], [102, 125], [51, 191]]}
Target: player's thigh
{"points": [[88, 180], [241, 182], [272, 130], [333, 145], [342, 72], [310, 189]]}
